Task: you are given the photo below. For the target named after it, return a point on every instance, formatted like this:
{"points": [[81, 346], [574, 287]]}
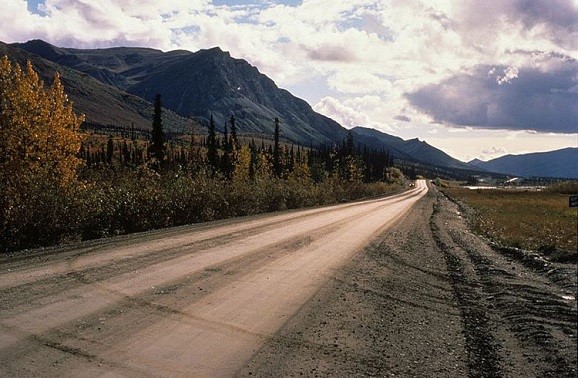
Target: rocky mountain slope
{"points": [[116, 85], [200, 84], [101, 103]]}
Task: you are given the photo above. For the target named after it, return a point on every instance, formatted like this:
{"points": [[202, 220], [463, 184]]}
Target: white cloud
{"points": [[345, 115], [359, 82], [367, 51], [492, 152], [510, 73]]}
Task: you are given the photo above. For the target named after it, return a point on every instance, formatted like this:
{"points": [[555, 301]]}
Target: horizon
{"points": [[474, 80]]}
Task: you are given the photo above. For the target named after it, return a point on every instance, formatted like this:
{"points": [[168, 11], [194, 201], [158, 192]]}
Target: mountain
{"points": [[101, 103], [412, 150], [118, 66], [559, 164], [115, 86], [200, 84]]}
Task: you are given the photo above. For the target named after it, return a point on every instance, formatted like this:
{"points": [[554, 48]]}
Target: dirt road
{"points": [[192, 301], [427, 298]]}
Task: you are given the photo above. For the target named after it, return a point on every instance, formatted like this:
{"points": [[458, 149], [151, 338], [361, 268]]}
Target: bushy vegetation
{"points": [[563, 187], [78, 187], [39, 142], [532, 220]]}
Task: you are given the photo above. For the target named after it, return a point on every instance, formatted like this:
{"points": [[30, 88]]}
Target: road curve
{"points": [[190, 301]]}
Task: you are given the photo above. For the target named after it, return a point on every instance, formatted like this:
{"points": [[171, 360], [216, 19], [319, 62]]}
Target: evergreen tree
{"points": [[157, 145], [277, 168], [226, 163], [212, 153], [234, 142], [109, 149], [349, 145], [126, 155]]}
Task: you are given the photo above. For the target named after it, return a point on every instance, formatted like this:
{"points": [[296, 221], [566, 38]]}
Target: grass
{"points": [[539, 221]]}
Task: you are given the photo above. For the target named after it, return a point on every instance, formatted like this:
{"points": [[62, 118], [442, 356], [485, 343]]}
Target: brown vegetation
{"points": [[533, 220], [56, 188]]}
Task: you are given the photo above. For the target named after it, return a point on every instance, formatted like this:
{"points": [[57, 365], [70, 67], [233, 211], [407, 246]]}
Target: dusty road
{"points": [[427, 298], [200, 300]]}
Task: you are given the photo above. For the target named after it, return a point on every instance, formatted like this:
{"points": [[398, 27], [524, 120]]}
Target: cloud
{"points": [[494, 150], [332, 53], [358, 81], [376, 56], [510, 73], [402, 118], [541, 101], [347, 116]]}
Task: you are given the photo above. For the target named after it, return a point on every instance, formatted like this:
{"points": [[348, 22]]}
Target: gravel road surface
{"points": [[389, 287], [196, 300]]}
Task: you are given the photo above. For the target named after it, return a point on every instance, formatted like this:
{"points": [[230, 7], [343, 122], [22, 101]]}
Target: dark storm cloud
{"points": [[529, 100], [562, 13], [559, 16]]}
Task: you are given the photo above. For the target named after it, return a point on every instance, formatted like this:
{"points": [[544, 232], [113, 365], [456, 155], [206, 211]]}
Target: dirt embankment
{"points": [[429, 298]]}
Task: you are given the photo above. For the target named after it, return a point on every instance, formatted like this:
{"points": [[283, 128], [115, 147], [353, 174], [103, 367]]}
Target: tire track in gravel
{"points": [[516, 321]]}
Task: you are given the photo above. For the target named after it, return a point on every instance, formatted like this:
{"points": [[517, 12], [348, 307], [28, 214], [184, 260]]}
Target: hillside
{"points": [[413, 149], [559, 164], [115, 85], [101, 103], [200, 84]]}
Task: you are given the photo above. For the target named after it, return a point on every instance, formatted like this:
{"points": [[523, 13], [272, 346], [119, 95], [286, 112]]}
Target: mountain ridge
{"points": [[562, 163], [103, 104], [115, 85], [212, 77], [411, 149]]}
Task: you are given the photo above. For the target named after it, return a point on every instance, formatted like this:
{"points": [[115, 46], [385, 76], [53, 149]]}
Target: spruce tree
{"points": [[109, 149], [157, 145], [212, 153], [226, 164], [234, 142], [277, 169]]}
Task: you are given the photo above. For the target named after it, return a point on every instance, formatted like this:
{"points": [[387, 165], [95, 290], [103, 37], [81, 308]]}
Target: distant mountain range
{"points": [[115, 86], [411, 150], [559, 164]]}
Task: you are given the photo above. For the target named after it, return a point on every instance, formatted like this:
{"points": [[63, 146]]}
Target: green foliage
{"points": [[212, 150], [157, 145], [277, 167]]}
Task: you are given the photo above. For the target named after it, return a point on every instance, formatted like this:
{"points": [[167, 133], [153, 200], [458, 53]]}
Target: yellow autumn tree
{"points": [[39, 140], [242, 166]]}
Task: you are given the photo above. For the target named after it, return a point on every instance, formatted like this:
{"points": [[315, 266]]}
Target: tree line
{"points": [[227, 157], [59, 184]]}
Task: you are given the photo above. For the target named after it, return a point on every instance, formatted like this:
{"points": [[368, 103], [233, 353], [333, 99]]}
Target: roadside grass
{"points": [[538, 221]]}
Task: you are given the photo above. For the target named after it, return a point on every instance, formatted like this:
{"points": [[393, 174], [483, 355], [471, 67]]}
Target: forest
{"points": [[61, 182]]}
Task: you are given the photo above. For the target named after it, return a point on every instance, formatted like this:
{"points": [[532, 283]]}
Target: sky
{"points": [[477, 79]]}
